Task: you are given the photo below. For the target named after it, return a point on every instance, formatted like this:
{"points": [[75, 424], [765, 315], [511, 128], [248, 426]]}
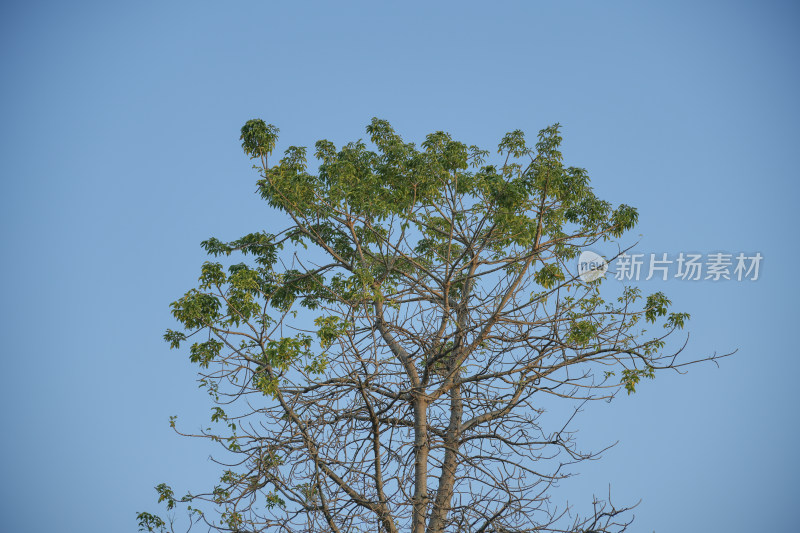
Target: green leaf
{"points": [[258, 138]]}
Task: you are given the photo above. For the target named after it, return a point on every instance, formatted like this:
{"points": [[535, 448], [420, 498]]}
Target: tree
{"points": [[385, 362]]}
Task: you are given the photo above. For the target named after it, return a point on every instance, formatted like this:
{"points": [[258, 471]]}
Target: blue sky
{"points": [[120, 153]]}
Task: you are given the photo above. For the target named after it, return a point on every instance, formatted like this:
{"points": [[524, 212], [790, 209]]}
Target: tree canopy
{"points": [[385, 360]]}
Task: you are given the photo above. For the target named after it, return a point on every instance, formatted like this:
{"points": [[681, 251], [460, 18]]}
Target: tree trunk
{"points": [[444, 493], [421, 448]]}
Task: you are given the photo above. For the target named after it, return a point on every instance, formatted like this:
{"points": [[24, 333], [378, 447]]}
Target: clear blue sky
{"points": [[120, 153]]}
